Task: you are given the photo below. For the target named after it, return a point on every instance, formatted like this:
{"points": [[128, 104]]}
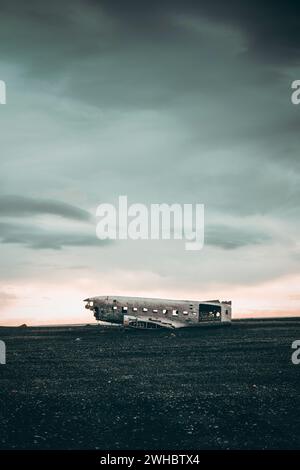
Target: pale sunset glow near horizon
{"points": [[63, 303]]}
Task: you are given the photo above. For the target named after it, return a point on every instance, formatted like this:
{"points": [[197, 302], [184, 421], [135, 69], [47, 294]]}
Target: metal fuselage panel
{"points": [[164, 312]]}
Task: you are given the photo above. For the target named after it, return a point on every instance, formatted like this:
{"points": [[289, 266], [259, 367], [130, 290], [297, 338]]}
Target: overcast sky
{"points": [[162, 101]]}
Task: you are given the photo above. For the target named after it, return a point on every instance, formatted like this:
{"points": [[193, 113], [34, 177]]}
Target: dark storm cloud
{"points": [[38, 238], [273, 28], [26, 206], [45, 34]]}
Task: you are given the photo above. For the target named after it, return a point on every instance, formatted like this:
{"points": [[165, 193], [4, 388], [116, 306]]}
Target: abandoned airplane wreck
{"points": [[139, 312]]}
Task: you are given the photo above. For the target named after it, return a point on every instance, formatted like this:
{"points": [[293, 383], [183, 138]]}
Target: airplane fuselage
{"points": [[149, 312]]}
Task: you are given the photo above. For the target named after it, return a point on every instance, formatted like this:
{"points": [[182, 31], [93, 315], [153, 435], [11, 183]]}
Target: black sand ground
{"points": [[210, 388]]}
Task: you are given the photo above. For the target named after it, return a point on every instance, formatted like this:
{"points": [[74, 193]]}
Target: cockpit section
{"points": [[104, 310]]}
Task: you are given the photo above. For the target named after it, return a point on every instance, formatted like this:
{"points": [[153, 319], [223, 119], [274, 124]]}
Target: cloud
{"points": [[272, 29], [7, 298], [169, 101], [40, 238], [94, 27], [231, 238], [26, 206]]}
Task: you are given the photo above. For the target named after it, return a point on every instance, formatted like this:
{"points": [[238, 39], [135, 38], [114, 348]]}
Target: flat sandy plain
{"points": [[204, 388]]}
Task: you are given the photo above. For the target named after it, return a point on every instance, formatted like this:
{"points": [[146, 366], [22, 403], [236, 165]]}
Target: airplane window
{"points": [[134, 309], [115, 307], [154, 310], [185, 312], [175, 312], [145, 309], [125, 309], [165, 311]]}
